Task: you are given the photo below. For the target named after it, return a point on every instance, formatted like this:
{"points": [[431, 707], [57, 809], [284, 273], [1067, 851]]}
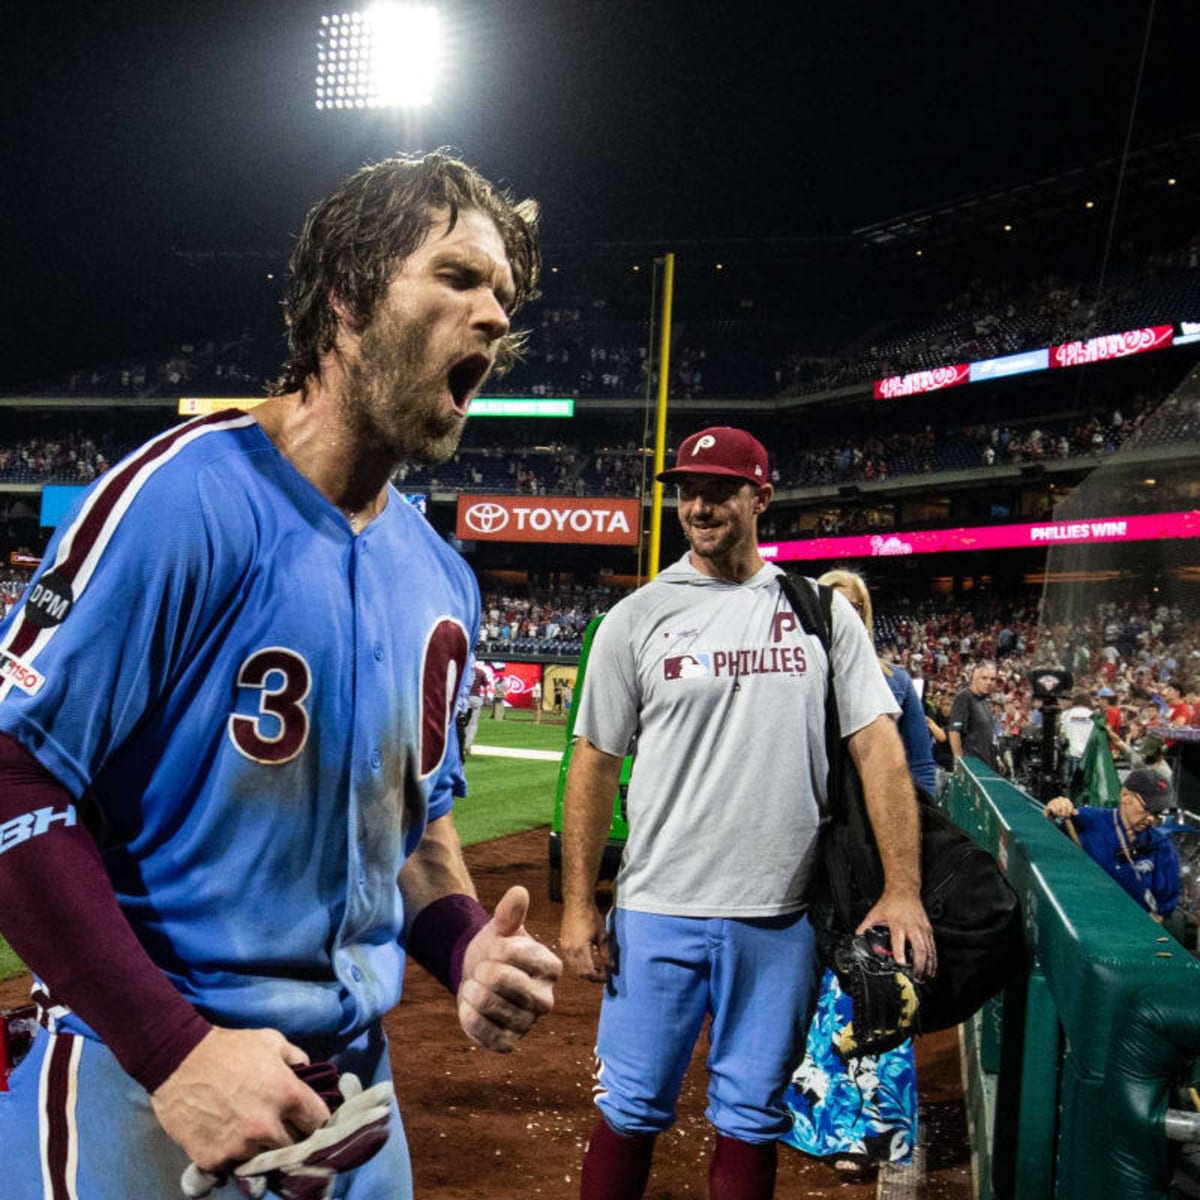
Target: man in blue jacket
{"points": [[1125, 842]]}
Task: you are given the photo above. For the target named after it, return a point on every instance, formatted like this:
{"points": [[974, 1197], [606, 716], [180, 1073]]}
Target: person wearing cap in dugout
{"points": [[709, 665], [1125, 842], [1145, 751]]}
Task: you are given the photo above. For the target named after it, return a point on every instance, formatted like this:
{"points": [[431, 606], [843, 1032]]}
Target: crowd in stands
{"points": [[1125, 646], [236, 367], [1140, 420], [582, 346], [578, 349], [554, 469], [13, 581], [572, 353], [1122, 654], [1123, 651], [74, 458], [807, 454], [549, 623], [990, 320]]}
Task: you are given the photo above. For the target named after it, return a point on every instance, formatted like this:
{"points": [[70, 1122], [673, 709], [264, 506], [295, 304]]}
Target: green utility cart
{"points": [[619, 830]]}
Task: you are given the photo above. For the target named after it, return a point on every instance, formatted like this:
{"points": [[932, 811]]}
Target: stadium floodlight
{"points": [[386, 57]]}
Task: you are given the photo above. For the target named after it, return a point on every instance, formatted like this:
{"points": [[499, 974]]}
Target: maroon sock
{"points": [[615, 1167], [742, 1171]]}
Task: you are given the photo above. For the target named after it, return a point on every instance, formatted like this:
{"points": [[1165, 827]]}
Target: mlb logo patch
{"points": [[687, 666]]}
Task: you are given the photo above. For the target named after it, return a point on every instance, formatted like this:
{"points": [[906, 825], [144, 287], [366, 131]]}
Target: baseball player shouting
{"points": [[225, 730], [710, 667]]}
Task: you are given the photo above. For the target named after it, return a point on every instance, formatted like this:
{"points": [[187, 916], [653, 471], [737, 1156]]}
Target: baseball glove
{"points": [[308, 1170], [883, 994]]}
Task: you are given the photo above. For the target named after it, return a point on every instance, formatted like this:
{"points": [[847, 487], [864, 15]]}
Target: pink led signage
{"points": [[1112, 345], [922, 381], [1068, 354], [990, 537]]}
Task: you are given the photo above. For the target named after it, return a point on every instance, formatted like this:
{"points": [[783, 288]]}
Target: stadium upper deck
{"points": [[782, 335]]}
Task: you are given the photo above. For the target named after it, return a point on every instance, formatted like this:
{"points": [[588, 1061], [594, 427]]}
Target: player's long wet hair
{"points": [[353, 241]]}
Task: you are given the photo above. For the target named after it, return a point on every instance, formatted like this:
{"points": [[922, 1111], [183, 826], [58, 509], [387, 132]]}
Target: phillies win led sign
{"points": [[1151, 527]]}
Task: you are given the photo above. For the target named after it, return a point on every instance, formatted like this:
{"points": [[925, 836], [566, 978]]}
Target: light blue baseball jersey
{"points": [[258, 706]]}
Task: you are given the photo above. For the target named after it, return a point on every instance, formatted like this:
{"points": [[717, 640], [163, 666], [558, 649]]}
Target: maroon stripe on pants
{"points": [[58, 1139]]}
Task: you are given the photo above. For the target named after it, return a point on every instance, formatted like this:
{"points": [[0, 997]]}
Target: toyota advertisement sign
{"points": [[597, 522]]}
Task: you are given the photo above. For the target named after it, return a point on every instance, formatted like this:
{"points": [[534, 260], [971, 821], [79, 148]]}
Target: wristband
{"points": [[441, 933]]}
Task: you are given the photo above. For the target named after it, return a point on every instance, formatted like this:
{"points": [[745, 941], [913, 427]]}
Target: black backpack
{"points": [[975, 913]]}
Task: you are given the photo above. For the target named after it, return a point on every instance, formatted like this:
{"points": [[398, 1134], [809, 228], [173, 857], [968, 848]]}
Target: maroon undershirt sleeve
{"points": [[59, 913]]}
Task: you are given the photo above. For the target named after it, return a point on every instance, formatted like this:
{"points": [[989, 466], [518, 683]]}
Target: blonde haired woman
{"points": [[913, 729], [856, 1113]]}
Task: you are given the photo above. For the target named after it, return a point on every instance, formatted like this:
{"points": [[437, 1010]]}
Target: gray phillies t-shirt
{"points": [[726, 694]]}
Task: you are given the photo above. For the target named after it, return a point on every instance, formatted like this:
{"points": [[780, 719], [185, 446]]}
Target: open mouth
{"points": [[465, 377]]}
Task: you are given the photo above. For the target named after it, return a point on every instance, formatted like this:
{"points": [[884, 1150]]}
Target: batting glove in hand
{"points": [[883, 995], [307, 1170]]}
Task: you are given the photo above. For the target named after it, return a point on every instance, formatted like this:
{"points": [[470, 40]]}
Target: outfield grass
{"points": [[521, 731], [507, 795], [10, 964]]}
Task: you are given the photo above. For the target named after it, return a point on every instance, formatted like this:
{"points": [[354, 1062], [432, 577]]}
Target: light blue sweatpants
{"points": [[757, 980]]}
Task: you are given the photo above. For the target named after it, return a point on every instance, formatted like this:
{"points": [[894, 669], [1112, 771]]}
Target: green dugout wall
{"points": [[1071, 1075]]}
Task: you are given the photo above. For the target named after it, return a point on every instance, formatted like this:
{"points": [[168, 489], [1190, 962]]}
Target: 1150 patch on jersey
{"points": [[20, 674]]}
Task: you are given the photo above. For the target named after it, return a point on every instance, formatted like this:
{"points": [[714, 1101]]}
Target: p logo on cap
{"points": [[720, 450]]}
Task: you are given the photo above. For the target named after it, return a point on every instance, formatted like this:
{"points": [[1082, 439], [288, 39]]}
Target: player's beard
{"points": [[395, 395], [715, 550]]}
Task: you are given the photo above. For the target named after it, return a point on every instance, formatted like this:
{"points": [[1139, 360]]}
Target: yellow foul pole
{"points": [[660, 422]]}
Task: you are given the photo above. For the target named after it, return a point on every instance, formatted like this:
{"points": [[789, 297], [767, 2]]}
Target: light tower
{"points": [[388, 56]]}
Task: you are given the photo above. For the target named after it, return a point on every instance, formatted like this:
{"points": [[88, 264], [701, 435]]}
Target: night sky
{"points": [[133, 131]]}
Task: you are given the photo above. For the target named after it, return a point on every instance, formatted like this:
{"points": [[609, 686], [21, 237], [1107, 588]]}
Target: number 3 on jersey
{"points": [[280, 729]]}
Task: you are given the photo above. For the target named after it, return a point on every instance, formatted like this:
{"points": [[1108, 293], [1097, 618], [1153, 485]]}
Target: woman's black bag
{"points": [[975, 913]]}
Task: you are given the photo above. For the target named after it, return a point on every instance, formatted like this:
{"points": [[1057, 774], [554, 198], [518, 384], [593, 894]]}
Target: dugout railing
{"points": [[1074, 1077]]}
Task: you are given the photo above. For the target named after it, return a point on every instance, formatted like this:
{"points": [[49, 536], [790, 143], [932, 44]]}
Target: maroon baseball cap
{"points": [[720, 450], [1153, 790]]}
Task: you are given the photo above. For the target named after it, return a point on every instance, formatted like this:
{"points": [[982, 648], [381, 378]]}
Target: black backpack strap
{"points": [[809, 606], [847, 833], [813, 603]]}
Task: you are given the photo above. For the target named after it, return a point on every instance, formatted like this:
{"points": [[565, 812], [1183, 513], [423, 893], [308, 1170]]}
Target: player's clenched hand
{"points": [[235, 1095], [508, 977], [584, 942]]}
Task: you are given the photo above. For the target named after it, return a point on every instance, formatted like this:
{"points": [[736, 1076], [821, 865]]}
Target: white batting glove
{"points": [[307, 1170]]}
